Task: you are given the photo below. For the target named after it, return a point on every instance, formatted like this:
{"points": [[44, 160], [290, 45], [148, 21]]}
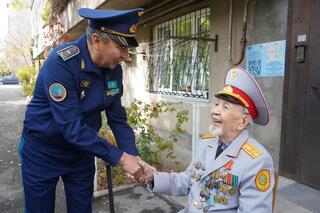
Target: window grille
{"points": [[179, 56]]}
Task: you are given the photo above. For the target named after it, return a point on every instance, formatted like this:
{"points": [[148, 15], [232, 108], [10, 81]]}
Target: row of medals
{"points": [[218, 187]]}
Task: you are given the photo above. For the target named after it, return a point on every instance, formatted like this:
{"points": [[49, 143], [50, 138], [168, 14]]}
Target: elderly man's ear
{"points": [[246, 120]]}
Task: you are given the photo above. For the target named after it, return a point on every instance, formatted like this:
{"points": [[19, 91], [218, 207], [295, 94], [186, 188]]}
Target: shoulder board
{"points": [[251, 150], [208, 135], [68, 52]]}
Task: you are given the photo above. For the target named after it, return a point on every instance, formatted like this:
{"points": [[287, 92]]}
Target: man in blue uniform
{"points": [[76, 83]]}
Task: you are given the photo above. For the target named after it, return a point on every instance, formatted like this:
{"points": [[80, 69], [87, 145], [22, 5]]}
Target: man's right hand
{"points": [[148, 173], [130, 164]]}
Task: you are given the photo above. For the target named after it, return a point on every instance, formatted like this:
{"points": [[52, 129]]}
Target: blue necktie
{"points": [[219, 150]]}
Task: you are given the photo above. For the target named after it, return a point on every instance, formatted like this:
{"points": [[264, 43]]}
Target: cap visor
{"points": [[124, 41]]}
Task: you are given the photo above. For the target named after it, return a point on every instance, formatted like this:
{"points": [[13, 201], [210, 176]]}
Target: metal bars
{"points": [[179, 56]]}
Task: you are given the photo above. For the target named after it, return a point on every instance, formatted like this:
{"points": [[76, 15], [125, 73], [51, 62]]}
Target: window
{"points": [[179, 56]]}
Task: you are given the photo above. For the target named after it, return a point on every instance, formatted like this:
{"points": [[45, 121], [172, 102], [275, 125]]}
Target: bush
{"points": [[150, 144], [27, 76]]}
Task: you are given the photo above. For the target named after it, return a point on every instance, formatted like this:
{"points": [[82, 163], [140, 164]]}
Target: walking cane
{"points": [[110, 192]]}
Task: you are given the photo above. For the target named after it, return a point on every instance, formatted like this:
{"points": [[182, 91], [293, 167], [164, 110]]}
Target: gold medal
{"points": [[224, 200], [216, 198]]}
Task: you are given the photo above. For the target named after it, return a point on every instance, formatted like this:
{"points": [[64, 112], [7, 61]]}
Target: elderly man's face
{"points": [[109, 54], [228, 119]]}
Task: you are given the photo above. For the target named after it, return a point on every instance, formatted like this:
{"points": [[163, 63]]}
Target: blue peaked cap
{"points": [[121, 25]]}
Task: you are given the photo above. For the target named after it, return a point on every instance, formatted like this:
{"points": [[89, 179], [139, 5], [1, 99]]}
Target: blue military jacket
{"points": [[64, 114]]}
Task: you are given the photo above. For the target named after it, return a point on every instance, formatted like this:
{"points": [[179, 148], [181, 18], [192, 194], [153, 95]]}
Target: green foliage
{"points": [[27, 77], [148, 141], [150, 144], [19, 4], [53, 8], [4, 69], [118, 176], [46, 11]]}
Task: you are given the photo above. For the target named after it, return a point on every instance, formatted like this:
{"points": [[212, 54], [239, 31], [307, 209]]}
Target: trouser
{"points": [[41, 171]]}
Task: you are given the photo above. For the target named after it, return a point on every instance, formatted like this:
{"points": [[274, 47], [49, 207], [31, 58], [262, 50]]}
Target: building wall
{"points": [[266, 23], [69, 18], [37, 24]]}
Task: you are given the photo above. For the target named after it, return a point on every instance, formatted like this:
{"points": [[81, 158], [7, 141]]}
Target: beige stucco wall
{"points": [[266, 22], [199, 110]]}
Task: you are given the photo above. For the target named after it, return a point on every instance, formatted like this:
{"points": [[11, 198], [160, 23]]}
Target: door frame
{"points": [[295, 90]]}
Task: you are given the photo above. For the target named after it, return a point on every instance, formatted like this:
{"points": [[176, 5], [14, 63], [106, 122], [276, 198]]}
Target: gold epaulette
{"points": [[251, 150], [207, 135]]}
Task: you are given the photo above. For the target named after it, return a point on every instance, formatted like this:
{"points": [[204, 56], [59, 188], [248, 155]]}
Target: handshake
{"points": [[137, 169]]}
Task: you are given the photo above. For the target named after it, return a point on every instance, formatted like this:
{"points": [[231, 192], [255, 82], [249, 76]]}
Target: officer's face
{"points": [[109, 54], [228, 119]]}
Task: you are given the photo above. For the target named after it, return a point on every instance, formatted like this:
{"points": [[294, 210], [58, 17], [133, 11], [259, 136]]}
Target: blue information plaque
{"points": [[266, 59]]}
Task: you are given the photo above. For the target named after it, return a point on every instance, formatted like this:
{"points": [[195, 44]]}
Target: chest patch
{"points": [[113, 88]]}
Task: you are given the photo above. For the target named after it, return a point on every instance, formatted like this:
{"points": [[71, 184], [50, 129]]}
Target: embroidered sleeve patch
{"points": [[68, 52], [263, 180], [57, 92]]}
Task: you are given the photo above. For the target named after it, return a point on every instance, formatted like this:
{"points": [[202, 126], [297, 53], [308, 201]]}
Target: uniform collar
{"points": [[86, 58], [235, 146], [228, 154]]}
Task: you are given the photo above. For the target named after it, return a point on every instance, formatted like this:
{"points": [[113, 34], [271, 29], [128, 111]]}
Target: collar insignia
{"points": [[83, 65], [85, 84]]}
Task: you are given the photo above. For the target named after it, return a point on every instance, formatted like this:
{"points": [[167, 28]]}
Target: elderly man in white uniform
{"points": [[231, 172]]}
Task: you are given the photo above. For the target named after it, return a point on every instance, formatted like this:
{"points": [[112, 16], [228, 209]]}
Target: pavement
{"points": [[292, 197]]}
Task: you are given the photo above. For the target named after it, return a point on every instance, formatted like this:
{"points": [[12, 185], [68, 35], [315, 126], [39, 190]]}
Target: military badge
{"points": [[68, 52], [83, 65], [197, 165], [57, 92], [85, 84], [82, 94], [251, 150], [133, 28], [263, 180], [112, 92], [234, 73]]}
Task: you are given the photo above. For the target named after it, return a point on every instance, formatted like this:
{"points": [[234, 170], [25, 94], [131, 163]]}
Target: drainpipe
{"points": [[195, 128], [243, 41]]}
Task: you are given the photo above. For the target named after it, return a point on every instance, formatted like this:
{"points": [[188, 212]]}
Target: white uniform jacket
{"points": [[240, 179]]}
